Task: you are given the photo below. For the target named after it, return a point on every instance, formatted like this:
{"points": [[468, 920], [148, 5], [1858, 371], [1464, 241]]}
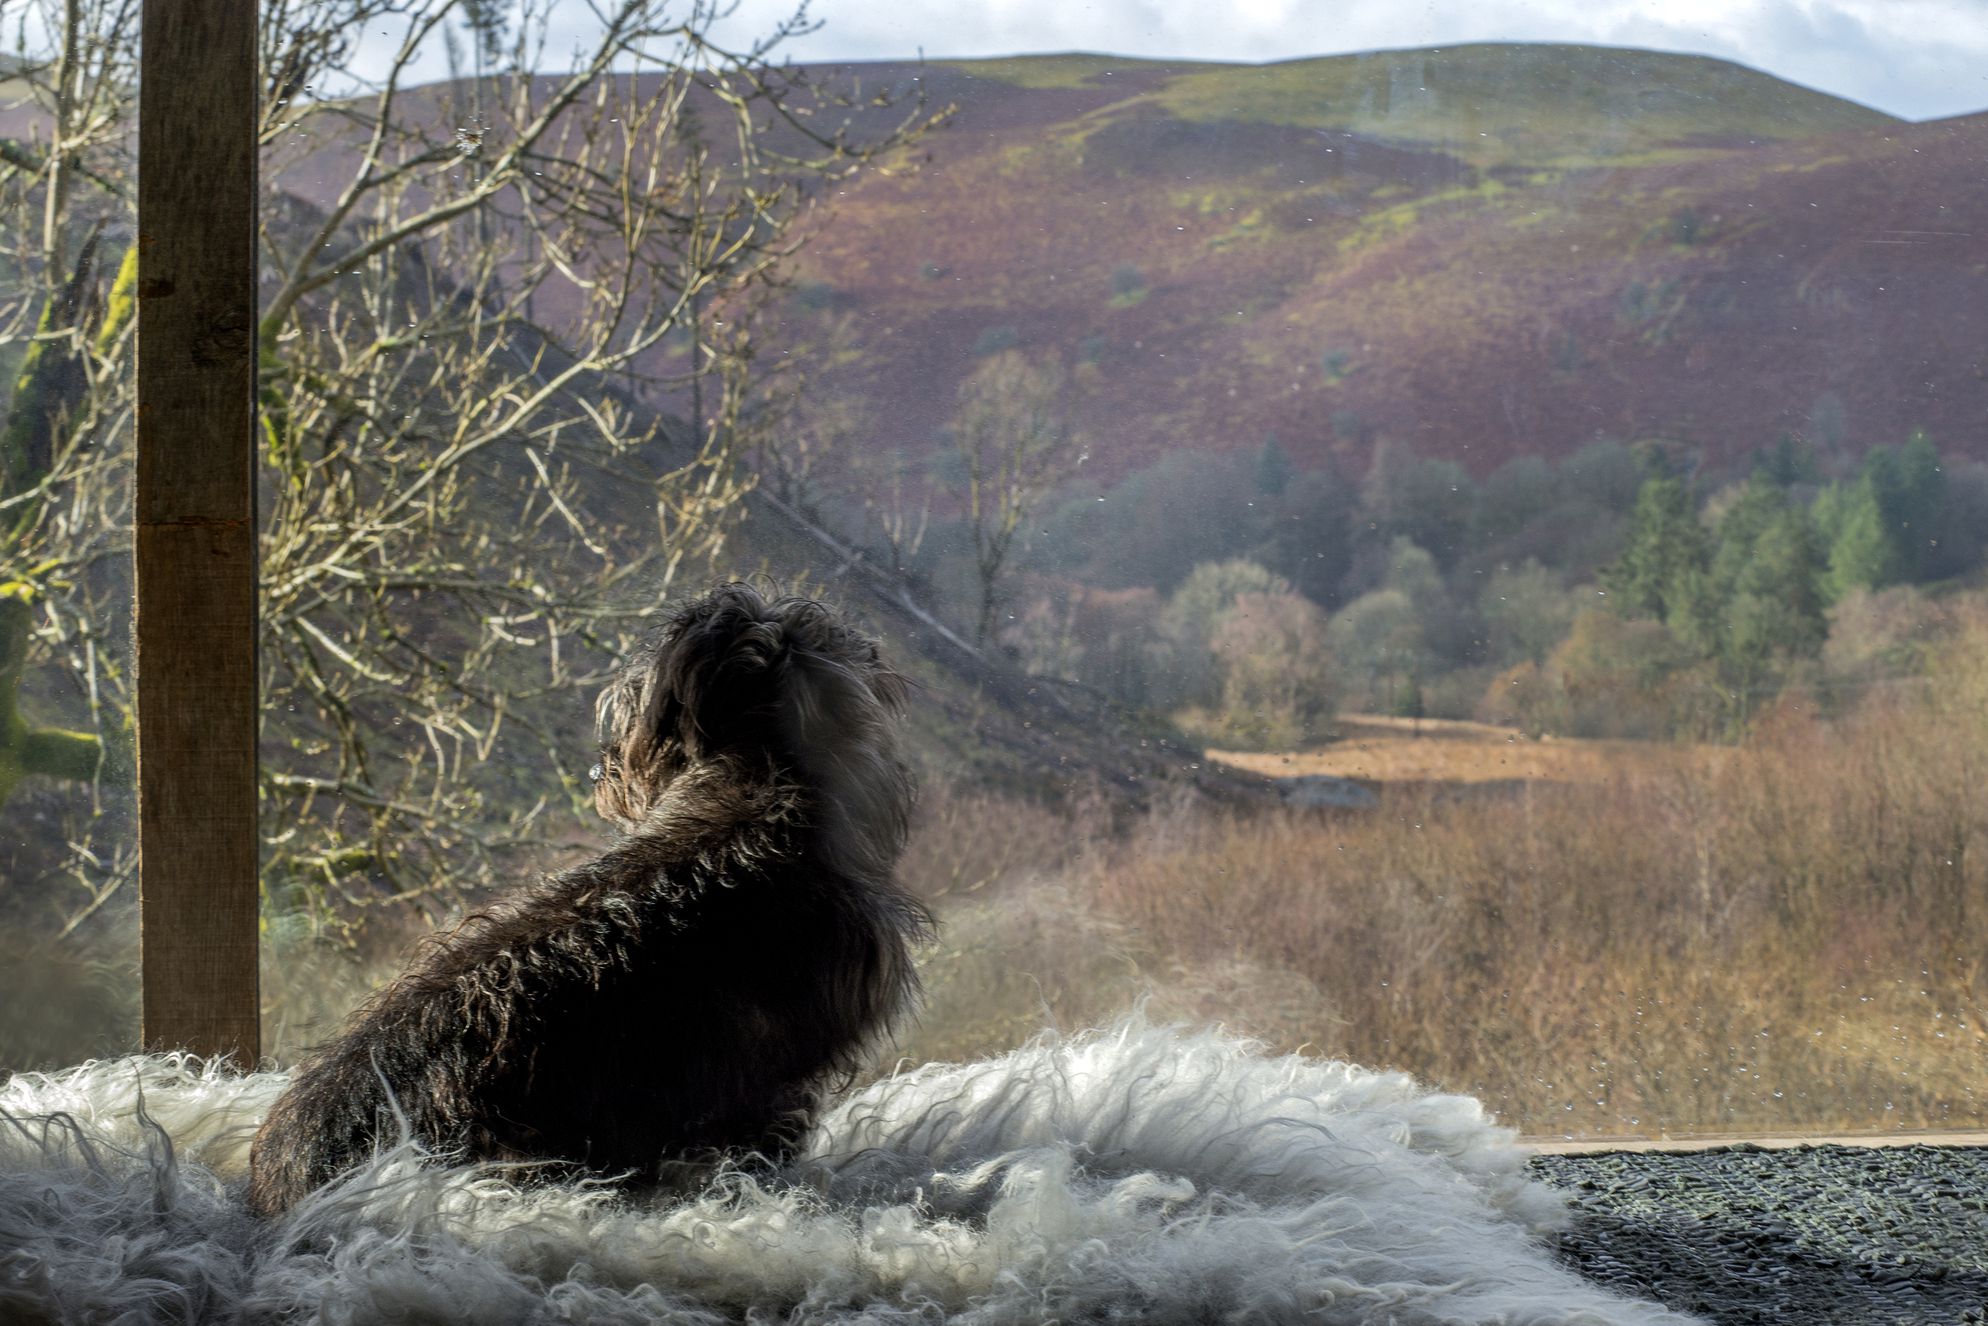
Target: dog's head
{"points": [[760, 686]]}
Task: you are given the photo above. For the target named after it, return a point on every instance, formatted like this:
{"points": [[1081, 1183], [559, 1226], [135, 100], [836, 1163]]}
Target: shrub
{"points": [[1524, 696], [1613, 678], [1618, 675], [1378, 639], [1526, 611], [1186, 670], [1885, 632], [1278, 687]]}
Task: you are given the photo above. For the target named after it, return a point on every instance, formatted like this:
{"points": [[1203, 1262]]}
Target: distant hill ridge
{"points": [[1522, 98], [1480, 251]]}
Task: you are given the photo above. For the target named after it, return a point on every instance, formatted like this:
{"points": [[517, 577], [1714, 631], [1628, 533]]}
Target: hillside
{"points": [[1481, 251]]}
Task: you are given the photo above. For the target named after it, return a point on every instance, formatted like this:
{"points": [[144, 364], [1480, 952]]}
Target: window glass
{"points": [[1464, 558], [1556, 468], [68, 915]]}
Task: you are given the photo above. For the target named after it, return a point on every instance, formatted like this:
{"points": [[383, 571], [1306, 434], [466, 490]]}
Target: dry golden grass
{"points": [[1784, 939], [1562, 959]]}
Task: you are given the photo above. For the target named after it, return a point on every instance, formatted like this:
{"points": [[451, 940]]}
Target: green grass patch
{"points": [[1389, 222], [1044, 71], [1502, 101]]}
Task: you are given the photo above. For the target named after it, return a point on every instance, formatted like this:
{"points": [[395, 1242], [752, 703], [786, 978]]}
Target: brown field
{"points": [[1393, 751]]}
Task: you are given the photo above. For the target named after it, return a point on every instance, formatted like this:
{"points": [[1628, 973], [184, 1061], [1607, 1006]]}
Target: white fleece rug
{"points": [[1137, 1174]]}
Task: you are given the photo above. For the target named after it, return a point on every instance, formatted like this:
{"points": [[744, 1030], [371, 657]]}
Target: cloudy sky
{"points": [[1916, 58]]}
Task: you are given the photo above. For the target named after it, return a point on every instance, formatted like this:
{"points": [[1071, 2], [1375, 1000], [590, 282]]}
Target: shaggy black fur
{"points": [[694, 989]]}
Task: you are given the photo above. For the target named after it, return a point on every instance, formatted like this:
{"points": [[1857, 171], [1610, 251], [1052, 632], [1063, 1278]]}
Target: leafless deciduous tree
{"points": [[479, 300], [1015, 445]]}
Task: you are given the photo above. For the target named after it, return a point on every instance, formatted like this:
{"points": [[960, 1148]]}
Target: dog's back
{"points": [[690, 991]]}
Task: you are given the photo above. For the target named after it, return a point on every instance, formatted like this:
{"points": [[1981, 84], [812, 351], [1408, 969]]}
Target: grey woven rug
{"points": [[1823, 1235]]}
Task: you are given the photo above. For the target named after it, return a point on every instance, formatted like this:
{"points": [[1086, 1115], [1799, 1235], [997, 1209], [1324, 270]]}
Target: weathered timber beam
{"points": [[195, 535]]}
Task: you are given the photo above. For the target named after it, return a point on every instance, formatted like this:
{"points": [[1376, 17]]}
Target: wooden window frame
{"points": [[195, 528]]}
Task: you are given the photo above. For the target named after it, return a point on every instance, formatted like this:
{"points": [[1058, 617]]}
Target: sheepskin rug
{"points": [[1137, 1174]]}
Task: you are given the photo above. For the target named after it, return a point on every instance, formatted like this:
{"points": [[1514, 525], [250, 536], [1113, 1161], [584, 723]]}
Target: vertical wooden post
{"points": [[195, 535]]}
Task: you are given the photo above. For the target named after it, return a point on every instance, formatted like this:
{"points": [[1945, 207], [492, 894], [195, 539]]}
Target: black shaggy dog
{"points": [[699, 985]]}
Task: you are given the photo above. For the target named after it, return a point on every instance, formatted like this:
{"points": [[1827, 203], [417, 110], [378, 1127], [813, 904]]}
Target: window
{"points": [[1510, 451], [1465, 558]]}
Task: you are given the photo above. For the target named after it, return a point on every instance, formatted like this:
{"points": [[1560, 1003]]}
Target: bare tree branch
{"points": [[478, 308]]}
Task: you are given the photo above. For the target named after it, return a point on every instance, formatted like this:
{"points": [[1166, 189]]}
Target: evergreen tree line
{"points": [[1440, 593], [1746, 577]]}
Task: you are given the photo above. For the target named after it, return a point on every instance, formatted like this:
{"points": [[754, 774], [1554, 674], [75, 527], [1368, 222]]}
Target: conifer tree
{"points": [[1759, 505], [1776, 610], [1777, 605], [1666, 544], [1862, 551]]}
